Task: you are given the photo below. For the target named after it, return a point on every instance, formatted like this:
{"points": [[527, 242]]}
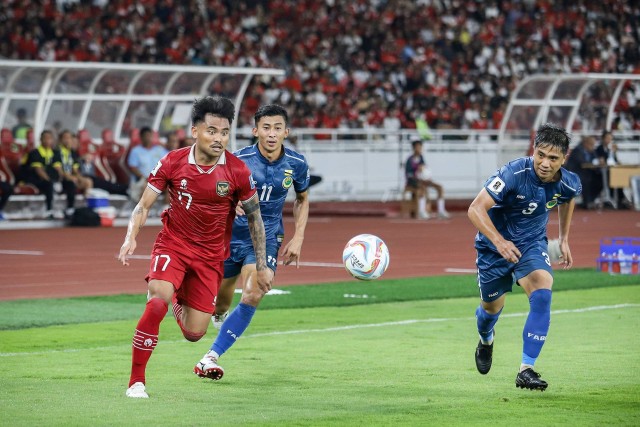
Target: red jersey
{"points": [[202, 199]]}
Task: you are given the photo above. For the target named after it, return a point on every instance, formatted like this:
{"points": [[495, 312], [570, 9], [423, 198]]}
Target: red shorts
{"points": [[196, 280]]}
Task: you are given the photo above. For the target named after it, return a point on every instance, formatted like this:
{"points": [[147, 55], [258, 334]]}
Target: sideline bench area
{"points": [[28, 207]]}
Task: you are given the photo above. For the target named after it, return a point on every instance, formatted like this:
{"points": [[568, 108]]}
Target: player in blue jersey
{"points": [[275, 169], [511, 214]]}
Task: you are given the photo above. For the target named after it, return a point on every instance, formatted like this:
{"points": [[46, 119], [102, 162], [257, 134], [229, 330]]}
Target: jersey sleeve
{"points": [[245, 183], [160, 175], [56, 162], [571, 187], [500, 183], [35, 159], [301, 178]]}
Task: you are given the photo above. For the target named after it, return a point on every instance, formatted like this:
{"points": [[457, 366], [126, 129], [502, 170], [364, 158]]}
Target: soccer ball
{"points": [[366, 257], [554, 252]]}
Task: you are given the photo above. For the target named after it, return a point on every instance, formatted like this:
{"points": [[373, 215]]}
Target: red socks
{"points": [[145, 337]]}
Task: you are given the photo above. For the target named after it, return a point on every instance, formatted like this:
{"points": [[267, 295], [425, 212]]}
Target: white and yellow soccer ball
{"points": [[366, 257]]}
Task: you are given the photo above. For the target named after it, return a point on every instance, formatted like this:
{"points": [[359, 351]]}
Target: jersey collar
{"points": [[263, 159], [192, 160]]}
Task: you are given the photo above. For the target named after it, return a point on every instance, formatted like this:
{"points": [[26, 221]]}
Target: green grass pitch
{"points": [[386, 359]]}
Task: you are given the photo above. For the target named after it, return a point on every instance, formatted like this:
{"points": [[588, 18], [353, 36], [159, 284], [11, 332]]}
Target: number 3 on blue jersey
{"points": [[532, 207]]}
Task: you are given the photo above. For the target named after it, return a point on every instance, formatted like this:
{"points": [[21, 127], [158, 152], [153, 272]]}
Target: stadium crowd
{"points": [[364, 63]]}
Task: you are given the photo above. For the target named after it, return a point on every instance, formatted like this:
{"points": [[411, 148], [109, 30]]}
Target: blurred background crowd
{"points": [[349, 64]]}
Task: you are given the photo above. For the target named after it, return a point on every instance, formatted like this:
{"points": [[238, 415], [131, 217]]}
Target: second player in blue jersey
{"points": [[511, 213]]}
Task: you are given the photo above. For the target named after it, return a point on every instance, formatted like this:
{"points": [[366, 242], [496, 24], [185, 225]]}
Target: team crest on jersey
{"points": [[554, 201], [286, 182], [496, 186], [183, 184], [222, 188]]}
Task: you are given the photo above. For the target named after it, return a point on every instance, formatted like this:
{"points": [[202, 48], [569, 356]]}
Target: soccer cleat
{"points": [[208, 367], [218, 320], [530, 379], [137, 390], [484, 357]]}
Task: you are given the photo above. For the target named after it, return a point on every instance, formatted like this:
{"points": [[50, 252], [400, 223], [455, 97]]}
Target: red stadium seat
{"points": [[85, 144], [6, 173], [114, 154], [134, 137], [12, 154]]}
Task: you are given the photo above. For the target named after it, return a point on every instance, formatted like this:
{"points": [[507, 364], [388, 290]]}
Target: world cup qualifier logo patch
{"points": [[222, 188], [286, 182]]}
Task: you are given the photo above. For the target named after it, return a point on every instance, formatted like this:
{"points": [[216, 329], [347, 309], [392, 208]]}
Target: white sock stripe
{"points": [[146, 334], [340, 328], [143, 339], [144, 348]]}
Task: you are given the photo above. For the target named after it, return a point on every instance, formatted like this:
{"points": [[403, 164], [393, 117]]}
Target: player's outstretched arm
{"points": [[565, 213], [292, 250], [478, 214], [136, 221], [256, 229]]}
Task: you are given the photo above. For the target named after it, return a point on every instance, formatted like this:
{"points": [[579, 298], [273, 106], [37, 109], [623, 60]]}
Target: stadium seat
{"points": [[85, 144], [114, 155], [12, 154], [6, 174], [134, 137]]}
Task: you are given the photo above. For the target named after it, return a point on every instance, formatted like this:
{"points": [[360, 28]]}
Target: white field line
{"points": [[460, 270], [336, 328], [10, 252]]}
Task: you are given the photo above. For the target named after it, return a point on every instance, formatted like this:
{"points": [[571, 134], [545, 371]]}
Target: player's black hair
{"points": [[215, 105], [605, 133], [554, 136], [416, 142], [271, 110]]}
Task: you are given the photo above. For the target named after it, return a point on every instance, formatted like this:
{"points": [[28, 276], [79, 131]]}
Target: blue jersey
{"points": [[523, 202], [272, 180]]}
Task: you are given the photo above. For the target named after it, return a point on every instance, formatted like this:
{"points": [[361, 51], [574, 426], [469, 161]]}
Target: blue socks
{"points": [[233, 326], [486, 322], [537, 325]]}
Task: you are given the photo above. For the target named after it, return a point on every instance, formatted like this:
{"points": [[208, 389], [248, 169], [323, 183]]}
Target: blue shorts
{"points": [[496, 275], [242, 254]]}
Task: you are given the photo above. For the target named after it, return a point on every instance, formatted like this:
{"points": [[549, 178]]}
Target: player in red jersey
{"points": [[205, 183]]}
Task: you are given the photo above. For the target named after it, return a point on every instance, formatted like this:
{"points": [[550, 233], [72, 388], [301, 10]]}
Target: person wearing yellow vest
{"points": [[40, 169], [67, 165]]}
